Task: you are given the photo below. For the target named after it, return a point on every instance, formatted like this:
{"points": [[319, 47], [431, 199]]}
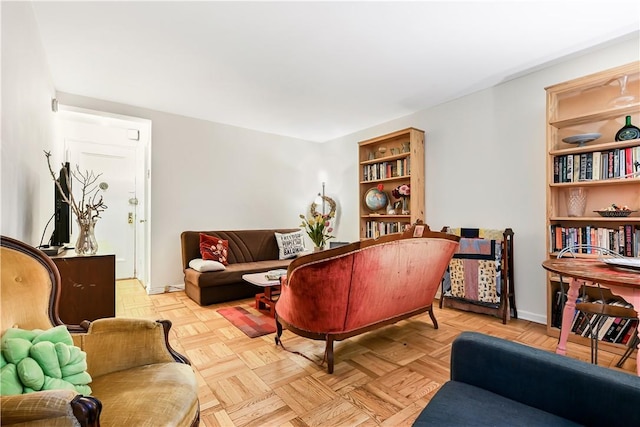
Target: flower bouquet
{"points": [[318, 228], [402, 192]]}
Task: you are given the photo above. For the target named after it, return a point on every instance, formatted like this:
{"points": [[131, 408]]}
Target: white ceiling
{"points": [[311, 70]]}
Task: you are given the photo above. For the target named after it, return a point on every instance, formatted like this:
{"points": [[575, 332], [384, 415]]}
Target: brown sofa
{"points": [[342, 292], [250, 251]]}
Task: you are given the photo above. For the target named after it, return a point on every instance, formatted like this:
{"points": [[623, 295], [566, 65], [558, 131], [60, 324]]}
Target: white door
{"points": [[112, 148], [115, 230]]}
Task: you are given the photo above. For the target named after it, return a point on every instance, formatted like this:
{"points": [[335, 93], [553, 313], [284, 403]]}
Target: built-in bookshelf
{"points": [[386, 163], [589, 171]]}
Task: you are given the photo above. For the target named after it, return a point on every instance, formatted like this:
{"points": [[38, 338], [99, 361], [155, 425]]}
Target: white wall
{"points": [[209, 176], [27, 127], [485, 164]]}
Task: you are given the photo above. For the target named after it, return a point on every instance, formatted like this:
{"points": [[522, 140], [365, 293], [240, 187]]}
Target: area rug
{"points": [[248, 320]]}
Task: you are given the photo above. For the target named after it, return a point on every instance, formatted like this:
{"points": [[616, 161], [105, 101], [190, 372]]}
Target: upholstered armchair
{"points": [[137, 378]]}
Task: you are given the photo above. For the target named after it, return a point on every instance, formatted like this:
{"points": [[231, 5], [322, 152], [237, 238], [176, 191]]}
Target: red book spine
{"points": [[628, 157]]}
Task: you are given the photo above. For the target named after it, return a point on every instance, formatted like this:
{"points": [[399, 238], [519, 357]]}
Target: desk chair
{"points": [[596, 310]]}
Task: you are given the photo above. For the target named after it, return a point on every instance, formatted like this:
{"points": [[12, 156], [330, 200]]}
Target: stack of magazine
{"points": [[275, 274]]}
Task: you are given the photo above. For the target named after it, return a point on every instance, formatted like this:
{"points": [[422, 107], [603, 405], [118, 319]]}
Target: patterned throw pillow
{"points": [[290, 244], [214, 249]]}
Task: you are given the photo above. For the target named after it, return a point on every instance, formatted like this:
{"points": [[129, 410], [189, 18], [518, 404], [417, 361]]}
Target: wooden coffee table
{"points": [[266, 301]]}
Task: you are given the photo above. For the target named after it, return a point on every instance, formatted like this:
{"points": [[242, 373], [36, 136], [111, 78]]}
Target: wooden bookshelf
{"points": [[593, 104], [390, 161]]}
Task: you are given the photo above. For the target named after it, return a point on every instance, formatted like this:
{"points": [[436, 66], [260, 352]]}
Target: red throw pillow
{"points": [[212, 248]]}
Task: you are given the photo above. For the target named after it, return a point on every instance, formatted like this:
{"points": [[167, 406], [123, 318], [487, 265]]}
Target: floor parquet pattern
{"points": [[381, 378]]}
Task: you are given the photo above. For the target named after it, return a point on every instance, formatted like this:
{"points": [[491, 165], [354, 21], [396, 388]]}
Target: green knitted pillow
{"points": [[41, 360]]}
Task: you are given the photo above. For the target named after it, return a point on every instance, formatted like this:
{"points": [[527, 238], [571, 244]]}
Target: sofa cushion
{"points": [[460, 404], [233, 273], [161, 394], [290, 244], [214, 249], [203, 266]]}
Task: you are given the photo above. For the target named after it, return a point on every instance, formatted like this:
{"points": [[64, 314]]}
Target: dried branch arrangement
{"points": [[91, 204]]}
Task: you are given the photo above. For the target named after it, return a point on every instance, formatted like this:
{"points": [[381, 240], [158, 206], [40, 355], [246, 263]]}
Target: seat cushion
{"points": [[163, 394], [460, 404]]}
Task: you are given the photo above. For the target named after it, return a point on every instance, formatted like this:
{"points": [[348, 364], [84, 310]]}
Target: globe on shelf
{"points": [[375, 199]]}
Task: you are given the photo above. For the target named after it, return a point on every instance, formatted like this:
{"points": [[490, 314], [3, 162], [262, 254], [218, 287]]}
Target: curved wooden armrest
{"points": [[50, 404]]}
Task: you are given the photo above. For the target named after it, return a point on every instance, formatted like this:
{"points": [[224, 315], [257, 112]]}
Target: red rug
{"points": [[249, 320]]}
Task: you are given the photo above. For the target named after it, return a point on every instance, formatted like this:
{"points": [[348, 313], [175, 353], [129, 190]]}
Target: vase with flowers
{"points": [[403, 192], [87, 210], [318, 228]]}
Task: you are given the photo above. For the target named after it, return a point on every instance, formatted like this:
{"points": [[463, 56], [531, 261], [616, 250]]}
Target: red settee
{"points": [[338, 293]]}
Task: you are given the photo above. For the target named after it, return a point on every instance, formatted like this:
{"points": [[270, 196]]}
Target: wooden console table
{"points": [[622, 282], [88, 286]]}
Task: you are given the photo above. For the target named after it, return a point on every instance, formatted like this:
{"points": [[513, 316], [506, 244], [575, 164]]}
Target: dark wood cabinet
{"points": [[88, 286]]}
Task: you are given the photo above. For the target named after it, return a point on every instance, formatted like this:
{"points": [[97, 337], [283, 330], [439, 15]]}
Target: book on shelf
{"points": [[624, 239], [632, 327], [596, 168], [596, 165], [612, 329], [588, 174]]}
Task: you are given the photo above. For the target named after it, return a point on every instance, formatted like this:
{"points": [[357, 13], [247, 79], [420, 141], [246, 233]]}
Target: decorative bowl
{"points": [[618, 213], [582, 138]]}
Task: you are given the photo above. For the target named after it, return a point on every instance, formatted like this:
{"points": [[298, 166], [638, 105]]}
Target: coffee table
{"points": [[266, 301]]}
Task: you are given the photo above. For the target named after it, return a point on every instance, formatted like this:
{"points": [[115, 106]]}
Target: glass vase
{"points": [[576, 201], [405, 206], [86, 243]]}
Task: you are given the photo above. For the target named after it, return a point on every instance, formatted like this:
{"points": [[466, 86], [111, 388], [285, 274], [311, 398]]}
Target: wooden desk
{"points": [[88, 286], [622, 282]]}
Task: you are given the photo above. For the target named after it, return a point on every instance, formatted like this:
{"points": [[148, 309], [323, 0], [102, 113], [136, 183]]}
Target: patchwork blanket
{"points": [[474, 273]]}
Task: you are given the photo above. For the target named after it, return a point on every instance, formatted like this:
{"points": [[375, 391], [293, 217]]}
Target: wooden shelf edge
{"points": [[596, 116], [386, 159], [578, 339], [597, 182], [374, 216], [391, 135], [590, 219], [394, 178], [603, 146]]}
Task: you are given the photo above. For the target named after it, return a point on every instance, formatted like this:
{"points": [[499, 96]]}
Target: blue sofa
{"points": [[495, 382]]}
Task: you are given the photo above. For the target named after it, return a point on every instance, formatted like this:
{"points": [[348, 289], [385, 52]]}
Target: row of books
{"points": [[597, 165], [383, 170], [375, 229], [624, 239], [609, 329]]}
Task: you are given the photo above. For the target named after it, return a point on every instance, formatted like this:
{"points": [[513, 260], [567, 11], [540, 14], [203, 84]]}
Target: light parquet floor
{"points": [[381, 378]]}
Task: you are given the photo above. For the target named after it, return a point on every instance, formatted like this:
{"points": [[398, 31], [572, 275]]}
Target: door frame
{"points": [[142, 251]]}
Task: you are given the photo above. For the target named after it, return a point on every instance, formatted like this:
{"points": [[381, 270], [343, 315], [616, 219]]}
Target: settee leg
{"points": [[329, 354], [278, 330], [433, 318]]}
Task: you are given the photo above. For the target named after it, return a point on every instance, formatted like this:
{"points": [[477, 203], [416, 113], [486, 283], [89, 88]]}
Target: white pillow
{"points": [[290, 244], [202, 265]]}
